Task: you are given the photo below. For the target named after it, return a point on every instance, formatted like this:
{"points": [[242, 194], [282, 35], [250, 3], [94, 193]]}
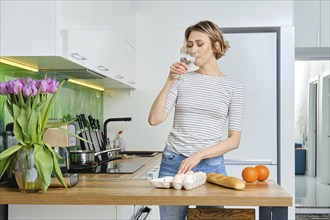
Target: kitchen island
{"points": [[103, 190]]}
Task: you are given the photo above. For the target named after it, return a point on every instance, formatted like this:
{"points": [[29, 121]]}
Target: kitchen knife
{"points": [[100, 134], [93, 125], [94, 137], [83, 144], [88, 134]]}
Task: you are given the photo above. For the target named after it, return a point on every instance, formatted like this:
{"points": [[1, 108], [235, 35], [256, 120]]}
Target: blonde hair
{"points": [[213, 32]]}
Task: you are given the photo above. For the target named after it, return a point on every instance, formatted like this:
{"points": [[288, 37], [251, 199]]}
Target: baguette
{"points": [[227, 181]]}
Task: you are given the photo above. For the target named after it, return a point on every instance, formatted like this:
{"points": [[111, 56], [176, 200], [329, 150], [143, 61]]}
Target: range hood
{"points": [[57, 64], [64, 68]]}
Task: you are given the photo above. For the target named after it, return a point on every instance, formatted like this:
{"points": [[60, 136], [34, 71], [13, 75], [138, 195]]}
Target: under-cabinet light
{"points": [[19, 65], [86, 84]]}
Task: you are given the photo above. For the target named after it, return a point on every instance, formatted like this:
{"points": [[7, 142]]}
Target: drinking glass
{"points": [[187, 59]]}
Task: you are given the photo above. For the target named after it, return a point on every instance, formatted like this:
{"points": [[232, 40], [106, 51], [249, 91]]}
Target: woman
{"points": [[203, 102]]}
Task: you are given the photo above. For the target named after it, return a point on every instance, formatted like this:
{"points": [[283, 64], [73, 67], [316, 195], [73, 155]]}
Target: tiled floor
{"points": [[310, 193]]}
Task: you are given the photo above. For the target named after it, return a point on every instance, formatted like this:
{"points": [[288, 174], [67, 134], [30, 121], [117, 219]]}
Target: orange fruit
{"points": [[263, 172], [250, 174]]}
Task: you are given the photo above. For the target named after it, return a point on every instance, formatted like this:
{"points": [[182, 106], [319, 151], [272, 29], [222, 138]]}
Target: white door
{"points": [[312, 129]]}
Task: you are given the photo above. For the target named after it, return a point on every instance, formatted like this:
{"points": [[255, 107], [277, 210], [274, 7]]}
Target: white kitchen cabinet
{"points": [[28, 28], [312, 23], [325, 24], [99, 36], [106, 51], [65, 212], [97, 15]]}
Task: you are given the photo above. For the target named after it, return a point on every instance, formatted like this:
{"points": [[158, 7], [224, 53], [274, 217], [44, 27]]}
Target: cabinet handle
{"points": [[119, 76], [77, 56], [248, 162], [131, 82], [103, 68]]}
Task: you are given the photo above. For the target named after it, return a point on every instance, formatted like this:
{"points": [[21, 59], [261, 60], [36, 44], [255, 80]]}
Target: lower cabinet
{"points": [[67, 212], [59, 212]]}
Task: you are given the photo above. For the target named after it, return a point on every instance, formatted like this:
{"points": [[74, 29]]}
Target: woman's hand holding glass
{"points": [[177, 69], [182, 67]]}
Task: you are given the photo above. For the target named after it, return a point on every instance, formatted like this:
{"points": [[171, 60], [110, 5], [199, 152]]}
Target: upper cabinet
{"points": [[106, 51], [312, 23], [96, 35], [28, 28]]}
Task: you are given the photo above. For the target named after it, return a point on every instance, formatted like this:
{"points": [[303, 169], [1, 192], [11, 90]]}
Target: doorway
{"points": [[312, 100]]}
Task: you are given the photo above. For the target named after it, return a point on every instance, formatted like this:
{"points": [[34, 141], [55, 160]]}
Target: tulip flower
{"points": [[17, 87], [26, 90], [9, 86], [43, 84], [34, 89], [3, 88], [52, 86]]}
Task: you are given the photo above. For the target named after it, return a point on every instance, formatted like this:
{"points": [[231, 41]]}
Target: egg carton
{"points": [[189, 181], [165, 182]]}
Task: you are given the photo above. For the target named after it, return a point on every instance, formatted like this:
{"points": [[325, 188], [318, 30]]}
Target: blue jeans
{"points": [[169, 167]]}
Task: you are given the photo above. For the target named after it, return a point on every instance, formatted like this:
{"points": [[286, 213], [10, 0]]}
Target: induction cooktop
{"points": [[113, 167]]}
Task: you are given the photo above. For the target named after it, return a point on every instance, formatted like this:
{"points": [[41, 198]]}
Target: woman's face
{"points": [[199, 45]]}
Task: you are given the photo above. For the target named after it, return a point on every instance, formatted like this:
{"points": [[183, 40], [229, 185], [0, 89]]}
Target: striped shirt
{"points": [[202, 106]]}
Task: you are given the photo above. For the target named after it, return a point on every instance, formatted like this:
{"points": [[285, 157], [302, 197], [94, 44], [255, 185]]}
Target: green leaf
{"points": [[50, 106], [57, 169], [74, 135], [16, 111], [21, 99], [18, 132], [17, 129], [9, 107], [33, 126], [6, 158], [4, 164], [10, 151], [36, 100], [39, 128], [23, 122], [44, 164], [28, 105]]}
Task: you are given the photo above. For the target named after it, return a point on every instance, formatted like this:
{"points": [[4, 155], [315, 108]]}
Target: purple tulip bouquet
{"points": [[30, 103]]}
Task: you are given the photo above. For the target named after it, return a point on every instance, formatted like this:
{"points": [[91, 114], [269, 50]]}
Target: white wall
{"points": [[160, 27]]}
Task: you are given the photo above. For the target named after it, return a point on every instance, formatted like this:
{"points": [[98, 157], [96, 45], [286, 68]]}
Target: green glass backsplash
{"points": [[73, 99]]}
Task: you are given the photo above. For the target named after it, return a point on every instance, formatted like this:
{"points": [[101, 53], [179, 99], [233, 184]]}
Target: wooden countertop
{"points": [[125, 189], [141, 192]]}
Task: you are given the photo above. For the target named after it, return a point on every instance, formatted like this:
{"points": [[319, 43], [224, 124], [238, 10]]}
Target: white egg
{"points": [[188, 182], [177, 181]]}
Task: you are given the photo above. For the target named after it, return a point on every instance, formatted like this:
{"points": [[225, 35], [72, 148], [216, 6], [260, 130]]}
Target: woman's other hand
{"points": [[189, 163]]}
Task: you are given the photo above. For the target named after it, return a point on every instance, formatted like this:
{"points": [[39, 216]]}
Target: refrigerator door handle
{"points": [[248, 162]]}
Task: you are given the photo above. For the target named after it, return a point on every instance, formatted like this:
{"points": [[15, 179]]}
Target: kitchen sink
{"points": [[140, 153]]}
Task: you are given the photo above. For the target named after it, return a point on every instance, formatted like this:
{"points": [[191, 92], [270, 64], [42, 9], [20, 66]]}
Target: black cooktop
{"points": [[113, 167]]}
